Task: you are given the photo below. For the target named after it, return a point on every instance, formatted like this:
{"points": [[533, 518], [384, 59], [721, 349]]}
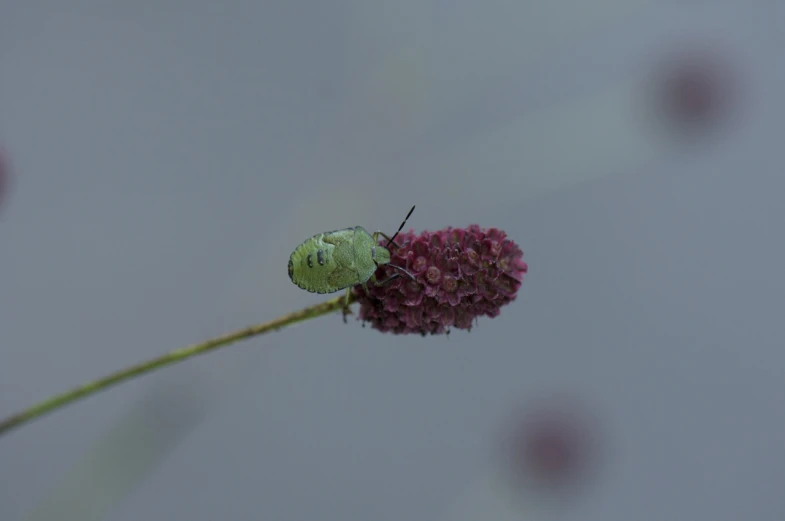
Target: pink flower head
{"points": [[460, 274]]}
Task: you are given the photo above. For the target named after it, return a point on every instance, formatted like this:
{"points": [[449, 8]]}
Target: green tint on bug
{"points": [[341, 259]]}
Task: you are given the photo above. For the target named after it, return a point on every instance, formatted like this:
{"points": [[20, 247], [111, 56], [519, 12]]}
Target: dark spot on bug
{"points": [[320, 257], [309, 259], [291, 268]]}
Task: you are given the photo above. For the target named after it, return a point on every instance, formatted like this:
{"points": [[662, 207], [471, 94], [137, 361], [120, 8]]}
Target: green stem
{"points": [[178, 355]]}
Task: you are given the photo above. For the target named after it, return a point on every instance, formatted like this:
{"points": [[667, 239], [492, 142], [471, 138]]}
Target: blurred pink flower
{"points": [[551, 446], [692, 89]]}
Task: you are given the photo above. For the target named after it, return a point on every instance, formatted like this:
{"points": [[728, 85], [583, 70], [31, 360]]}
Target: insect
{"points": [[341, 259]]}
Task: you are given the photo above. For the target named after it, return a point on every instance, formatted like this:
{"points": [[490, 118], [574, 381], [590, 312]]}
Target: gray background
{"points": [[168, 156]]}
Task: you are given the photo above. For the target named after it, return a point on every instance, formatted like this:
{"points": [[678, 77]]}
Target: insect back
{"points": [[315, 265]]}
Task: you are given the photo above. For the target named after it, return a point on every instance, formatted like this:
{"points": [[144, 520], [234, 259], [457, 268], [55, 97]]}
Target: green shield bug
{"points": [[341, 259]]}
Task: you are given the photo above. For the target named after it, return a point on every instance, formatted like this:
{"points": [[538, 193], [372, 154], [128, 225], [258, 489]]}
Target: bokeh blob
{"points": [[551, 447], [693, 90]]}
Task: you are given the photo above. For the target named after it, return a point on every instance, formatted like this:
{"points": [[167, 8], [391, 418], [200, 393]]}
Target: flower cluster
{"points": [[459, 275]]}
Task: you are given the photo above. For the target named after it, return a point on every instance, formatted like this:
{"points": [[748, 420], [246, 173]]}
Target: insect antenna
{"points": [[392, 240]]}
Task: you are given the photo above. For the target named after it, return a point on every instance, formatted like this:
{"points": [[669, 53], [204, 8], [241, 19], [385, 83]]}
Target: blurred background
{"points": [[160, 160]]}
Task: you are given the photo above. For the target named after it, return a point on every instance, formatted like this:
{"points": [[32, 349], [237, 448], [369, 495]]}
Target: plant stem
{"points": [[178, 355]]}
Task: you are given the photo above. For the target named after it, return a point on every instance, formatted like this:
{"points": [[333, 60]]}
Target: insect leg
{"points": [[388, 279], [346, 311]]}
